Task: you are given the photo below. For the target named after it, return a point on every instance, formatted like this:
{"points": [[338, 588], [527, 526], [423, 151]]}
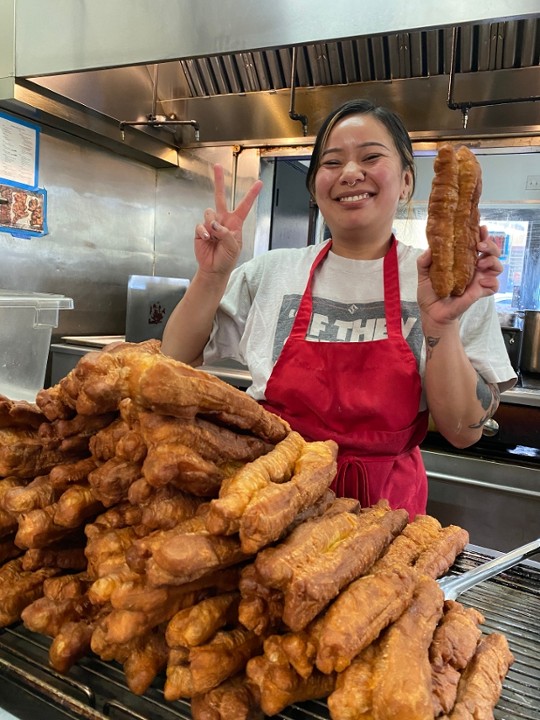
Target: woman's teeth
{"points": [[354, 198]]}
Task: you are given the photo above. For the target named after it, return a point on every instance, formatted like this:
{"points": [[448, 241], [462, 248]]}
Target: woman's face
{"points": [[360, 180]]}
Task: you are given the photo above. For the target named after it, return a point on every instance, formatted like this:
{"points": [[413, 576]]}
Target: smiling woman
{"points": [[334, 335]]}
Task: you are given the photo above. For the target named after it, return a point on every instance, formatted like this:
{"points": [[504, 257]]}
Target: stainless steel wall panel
{"points": [[101, 229], [246, 172], [181, 197]]}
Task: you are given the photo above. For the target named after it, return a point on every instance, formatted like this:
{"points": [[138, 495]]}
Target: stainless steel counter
{"points": [[498, 502]]}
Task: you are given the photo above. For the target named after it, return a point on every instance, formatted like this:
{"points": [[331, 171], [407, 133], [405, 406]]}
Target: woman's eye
{"points": [[372, 157], [328, 163]]}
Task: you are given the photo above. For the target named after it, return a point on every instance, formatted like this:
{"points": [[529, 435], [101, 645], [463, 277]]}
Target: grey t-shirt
{"points": [[257, 311]]}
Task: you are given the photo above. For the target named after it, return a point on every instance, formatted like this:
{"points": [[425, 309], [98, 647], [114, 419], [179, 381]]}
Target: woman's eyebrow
{"points": [[369, 143]]}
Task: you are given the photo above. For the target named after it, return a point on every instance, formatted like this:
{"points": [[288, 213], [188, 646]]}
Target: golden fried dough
{"points": [[452, 225]]}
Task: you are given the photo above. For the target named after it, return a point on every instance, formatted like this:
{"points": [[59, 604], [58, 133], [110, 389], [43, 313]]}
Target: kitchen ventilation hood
{"points": [[244, 72]]}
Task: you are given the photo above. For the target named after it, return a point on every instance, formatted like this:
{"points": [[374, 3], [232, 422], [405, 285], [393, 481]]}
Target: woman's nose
{"points": [[352, 173]]}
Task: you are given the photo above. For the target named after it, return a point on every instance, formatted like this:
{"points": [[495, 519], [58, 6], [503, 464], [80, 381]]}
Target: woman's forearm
{"points": [[459, 400], [189, 326]]}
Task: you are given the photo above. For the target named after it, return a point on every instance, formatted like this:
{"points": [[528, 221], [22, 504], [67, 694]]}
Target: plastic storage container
{"points": [[26, 323]]}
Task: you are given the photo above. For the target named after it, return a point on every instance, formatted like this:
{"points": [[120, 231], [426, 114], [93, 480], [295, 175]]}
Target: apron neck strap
{"points": [[392, 302]]}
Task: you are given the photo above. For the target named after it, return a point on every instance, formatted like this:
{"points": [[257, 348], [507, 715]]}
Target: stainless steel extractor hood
{"points": [[254, 73]]}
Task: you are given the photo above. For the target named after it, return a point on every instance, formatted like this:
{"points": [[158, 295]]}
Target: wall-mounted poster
{"points": [[23, 212], [19, 152]]}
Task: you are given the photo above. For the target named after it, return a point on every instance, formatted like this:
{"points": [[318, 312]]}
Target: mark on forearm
{"points": [[431, 342], [489, 396]]}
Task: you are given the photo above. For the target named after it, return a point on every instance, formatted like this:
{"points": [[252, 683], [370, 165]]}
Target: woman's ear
{"points": [[406, 187]]}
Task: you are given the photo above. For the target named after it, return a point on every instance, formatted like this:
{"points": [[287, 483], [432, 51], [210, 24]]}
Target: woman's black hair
{"points": [[388, 118]]}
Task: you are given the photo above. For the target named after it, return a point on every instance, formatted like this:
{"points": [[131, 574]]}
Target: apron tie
{"points": [[352, 480]]}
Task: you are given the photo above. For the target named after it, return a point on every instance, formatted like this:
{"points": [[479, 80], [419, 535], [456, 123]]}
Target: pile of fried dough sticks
{"points": [[153, 515]]}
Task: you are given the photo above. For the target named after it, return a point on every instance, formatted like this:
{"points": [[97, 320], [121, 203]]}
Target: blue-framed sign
{"points": [[19, 152]]}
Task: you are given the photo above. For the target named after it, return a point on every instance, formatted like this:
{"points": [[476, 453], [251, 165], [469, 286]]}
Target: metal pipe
{"points": [[292, 114], [444, 477], [157, 122], [468, 104]]}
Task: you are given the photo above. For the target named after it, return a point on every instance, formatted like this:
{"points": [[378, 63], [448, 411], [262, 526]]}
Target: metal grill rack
{"points": [[96, 690]]}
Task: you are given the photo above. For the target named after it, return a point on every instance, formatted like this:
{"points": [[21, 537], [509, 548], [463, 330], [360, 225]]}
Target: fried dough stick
{"points": [[275, 506], [443, 201], [101, 380], [145, 659], [439, 557], [454, 643], [178, 681], [110, 482], [104, 443], [297, 649], [261, 607], [69, 557], [75, 505], [119, 516], [7, 484], [276, 565], [277, 466], [105, 551], [353, 694], [73, 641], [391, 679], [80, 425], [212, 442], [225, 655], [39, 493], [188, 556], [120, 627], [466, 219], [23, 453], [59, 401], [19, 413], [123, 624], [142, 659], [481, 682], [8, 523], [69, 473], [143, 548], [197, 624], [360, 613], [232, 699], [179, 465], [402, 686], [168, 507], [407, 547], [19, 588], [280, 685], [313, 587], [37, 528], [61, 603]]}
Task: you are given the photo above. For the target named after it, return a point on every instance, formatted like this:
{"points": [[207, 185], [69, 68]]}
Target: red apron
{"points": [[363, 395]]}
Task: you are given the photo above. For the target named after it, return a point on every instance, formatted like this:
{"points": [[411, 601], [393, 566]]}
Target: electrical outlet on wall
{"points": [[532, 182]]}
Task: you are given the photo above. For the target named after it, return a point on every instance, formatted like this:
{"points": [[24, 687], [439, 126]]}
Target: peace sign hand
{"points": [[218, 240]]}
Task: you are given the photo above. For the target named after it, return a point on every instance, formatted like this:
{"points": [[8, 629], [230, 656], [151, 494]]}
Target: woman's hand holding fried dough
{"points": [[484, 282]]}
